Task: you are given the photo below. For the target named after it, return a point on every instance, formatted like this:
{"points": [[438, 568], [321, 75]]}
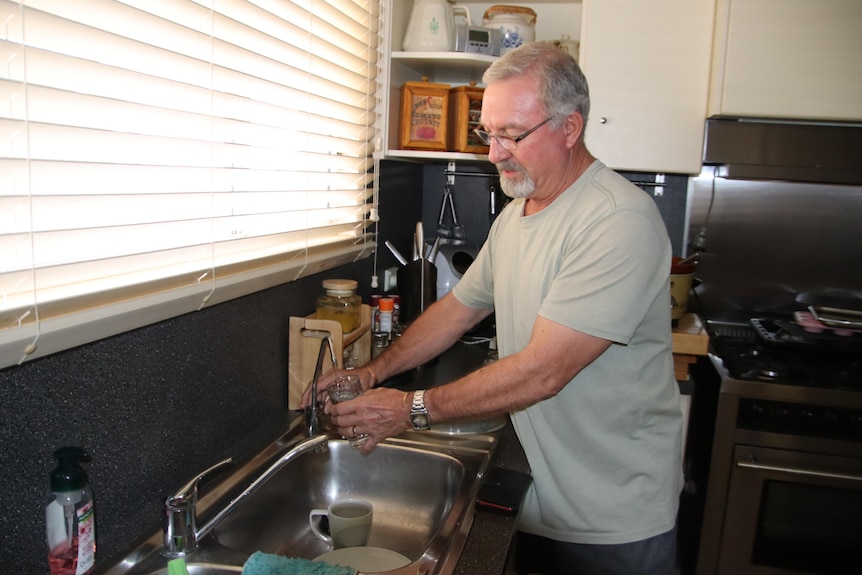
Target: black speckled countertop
{"points": [[488, 545], [492, 535]]}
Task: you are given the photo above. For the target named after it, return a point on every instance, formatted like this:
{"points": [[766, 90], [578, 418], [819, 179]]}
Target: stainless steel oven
{"points": [[785, 481]]}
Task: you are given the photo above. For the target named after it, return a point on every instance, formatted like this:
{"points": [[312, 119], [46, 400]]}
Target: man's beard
{"points": [[515, 188]]}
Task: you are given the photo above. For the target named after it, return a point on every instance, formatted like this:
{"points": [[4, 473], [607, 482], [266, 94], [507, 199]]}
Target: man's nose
{"points": [[497, 152]]}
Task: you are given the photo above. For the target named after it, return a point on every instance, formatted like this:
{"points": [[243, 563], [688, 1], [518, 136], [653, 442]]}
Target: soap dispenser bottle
{"points": [[69, 516]]}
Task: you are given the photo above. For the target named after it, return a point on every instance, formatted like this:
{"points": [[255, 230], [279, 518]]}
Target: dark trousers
{"points": [[653, 556]]}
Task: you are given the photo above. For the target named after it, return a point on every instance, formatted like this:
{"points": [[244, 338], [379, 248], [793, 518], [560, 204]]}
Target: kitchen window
{"points": [[159, 156]]}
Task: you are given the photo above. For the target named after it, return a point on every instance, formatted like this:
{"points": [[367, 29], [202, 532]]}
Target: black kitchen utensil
{"points": [[457, 231]]}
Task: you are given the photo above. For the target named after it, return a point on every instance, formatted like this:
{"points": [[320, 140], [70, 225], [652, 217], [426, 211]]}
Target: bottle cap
{"points": [[69, 475], [387, 304]]}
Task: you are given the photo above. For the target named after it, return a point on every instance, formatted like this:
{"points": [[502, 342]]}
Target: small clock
{"points": [[477, 40]]}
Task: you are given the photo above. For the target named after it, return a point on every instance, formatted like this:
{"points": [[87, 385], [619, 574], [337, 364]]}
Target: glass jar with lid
{"points": [[340, 303]]}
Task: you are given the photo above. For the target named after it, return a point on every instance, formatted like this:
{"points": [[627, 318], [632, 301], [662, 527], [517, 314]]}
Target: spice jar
{"points": [[375, 312], [379, 342], [340, 303], [387, 305]]}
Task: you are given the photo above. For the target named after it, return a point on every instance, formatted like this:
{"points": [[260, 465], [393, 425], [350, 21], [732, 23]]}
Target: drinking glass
{"points": [[345, 387]]}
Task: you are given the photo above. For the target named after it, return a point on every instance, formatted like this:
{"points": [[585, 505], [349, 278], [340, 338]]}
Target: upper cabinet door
{"points": [[788, 59], [647, 64]]}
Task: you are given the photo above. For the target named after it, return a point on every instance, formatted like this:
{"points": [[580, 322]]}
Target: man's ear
{"points": [[574, 125]]}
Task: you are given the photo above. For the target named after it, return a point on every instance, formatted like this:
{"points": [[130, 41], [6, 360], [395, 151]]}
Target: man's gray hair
{"points": [[562, 86]]}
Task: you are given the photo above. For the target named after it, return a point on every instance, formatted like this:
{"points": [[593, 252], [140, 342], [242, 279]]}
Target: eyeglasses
{"points": [[508, 142]]}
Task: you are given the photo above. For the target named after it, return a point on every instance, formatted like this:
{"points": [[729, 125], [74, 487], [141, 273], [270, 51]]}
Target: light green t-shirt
{"points": [[605, 452]]}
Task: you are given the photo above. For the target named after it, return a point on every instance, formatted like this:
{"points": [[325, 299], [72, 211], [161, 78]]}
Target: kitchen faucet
{"points": [[312, 413], [181, 533]]}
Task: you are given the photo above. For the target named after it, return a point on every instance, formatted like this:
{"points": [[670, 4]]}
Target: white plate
{"points": [[366, 559]]}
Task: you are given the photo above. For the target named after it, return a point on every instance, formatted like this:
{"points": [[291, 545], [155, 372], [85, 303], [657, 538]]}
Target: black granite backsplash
{"points": [[153, 407]]}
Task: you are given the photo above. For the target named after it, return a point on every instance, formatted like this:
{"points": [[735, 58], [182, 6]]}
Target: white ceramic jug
{"points": [[432, 26]]}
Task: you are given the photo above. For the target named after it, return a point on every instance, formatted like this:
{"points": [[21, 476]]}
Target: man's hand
{"points": [[378, 413], [365, 376]]}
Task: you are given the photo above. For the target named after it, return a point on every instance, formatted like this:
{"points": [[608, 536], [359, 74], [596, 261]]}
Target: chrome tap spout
{"points": [[312, 413]]}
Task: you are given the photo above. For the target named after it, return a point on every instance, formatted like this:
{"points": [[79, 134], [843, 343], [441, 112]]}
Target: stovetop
{"points": [[775, 351]]}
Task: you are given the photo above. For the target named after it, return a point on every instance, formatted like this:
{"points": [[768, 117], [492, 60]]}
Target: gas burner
{"points": [[776, 373], [753, 361], [753, 353], [762, 375]]}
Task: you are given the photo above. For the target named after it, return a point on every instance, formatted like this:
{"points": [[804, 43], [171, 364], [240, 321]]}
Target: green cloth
{"points": [[261, 563]]}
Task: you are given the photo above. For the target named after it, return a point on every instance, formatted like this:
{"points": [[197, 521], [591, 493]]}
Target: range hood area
{"points": [[795, 151]]}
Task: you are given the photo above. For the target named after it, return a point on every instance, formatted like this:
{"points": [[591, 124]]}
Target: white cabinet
{"points": [[555, 18], [788, 59], [647, 65]]}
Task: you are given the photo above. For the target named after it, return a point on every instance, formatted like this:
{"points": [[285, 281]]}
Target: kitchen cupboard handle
{"points": [[797, 471], [603, 120]]}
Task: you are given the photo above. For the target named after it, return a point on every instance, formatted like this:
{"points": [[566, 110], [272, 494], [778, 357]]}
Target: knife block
{"points": [[303, 351]]}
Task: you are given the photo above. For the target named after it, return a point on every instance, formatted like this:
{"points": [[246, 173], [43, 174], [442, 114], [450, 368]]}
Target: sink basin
{"points": [[422, 486], [413, 490]]}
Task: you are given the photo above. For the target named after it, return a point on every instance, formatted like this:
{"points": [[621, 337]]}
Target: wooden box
{"points": [[303, 351], [424, 109], [465, 109]]}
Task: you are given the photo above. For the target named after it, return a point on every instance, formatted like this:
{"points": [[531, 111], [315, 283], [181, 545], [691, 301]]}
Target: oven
{"points": [[784, 494]]}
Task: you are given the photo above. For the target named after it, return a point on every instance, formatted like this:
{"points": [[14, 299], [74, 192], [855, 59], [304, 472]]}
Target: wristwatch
{"points": [[418, 414]]}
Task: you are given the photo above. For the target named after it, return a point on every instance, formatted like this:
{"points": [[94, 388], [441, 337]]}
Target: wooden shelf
{"points": [[442, 156], [457, 67]]}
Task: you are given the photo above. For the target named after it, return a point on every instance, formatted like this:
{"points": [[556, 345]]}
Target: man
{"points": [[576, 268]]}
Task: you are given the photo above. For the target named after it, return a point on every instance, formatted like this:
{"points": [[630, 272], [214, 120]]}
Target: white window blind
{"points": [[157, 156]]}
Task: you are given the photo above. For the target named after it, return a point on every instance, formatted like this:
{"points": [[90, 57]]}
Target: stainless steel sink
{"points": [[411, 487], [422, 486]]}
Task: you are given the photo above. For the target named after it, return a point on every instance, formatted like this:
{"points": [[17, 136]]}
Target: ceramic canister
{"points": [[517, 25], [431, 27]]}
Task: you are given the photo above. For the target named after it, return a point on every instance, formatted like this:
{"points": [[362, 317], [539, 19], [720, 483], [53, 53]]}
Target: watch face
{"points": [[419, 421]]}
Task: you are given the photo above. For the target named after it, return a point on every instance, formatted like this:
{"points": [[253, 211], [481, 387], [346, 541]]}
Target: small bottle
{"points": [[375, 312], [349, 359], [340, 303], [386, 307], [70, 516], [379, 342], [396, 311]]}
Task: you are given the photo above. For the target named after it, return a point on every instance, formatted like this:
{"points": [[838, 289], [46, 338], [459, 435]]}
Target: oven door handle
{"points": [[797, 471]]}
